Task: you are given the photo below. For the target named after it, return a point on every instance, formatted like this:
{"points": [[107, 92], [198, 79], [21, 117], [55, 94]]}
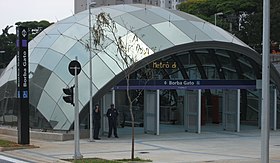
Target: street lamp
{"points": [[3, 53], [90, 73], [217, 14]]}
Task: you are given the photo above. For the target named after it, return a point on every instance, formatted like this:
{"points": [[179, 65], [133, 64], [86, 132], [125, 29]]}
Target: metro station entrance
{"points": [[191, 109]]}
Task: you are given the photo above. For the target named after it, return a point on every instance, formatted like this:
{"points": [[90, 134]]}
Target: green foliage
{"points": [[8, 40], [7, 46], [5, 143], [34, 27], [9, 145], [244, 15]]}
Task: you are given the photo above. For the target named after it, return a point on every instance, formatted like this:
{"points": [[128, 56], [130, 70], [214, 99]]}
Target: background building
{"points": [[81, 5]]}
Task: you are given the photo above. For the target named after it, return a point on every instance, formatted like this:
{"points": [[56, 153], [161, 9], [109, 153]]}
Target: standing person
{"points": [[112, 114], [96, 120]]}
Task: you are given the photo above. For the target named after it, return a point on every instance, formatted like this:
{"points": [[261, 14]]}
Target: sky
{"points": [[12, 11]]}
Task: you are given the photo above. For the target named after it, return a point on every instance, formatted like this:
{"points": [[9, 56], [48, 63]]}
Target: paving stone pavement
{"points": [[176, 147]]}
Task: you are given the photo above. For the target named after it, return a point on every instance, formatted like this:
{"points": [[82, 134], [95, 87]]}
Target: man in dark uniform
{"points": [[112, 114], [97, 123]]}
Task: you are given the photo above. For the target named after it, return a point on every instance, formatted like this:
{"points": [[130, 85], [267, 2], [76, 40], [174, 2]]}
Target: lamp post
{"points": [[217, 14], [265, 118], [2, 52], [90, 73]]}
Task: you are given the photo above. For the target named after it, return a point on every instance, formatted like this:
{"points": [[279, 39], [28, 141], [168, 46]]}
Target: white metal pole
{"points": [[199, 112], [113, 96], [275, 110], [215, 19], [238, 111], [158, 111], [265, 83], [90, 78], [76, 125]]}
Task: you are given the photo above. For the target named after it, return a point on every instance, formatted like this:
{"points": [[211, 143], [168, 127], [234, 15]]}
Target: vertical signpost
{"points": [[74, 69], [22, 85]]}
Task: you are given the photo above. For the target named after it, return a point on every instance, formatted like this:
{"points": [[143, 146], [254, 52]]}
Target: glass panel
{"points": [[63, 44], [113, 12], [5, 76], [62, 71], [71, 19], [208, 30], [37, 54], [166, 15], [230, 73], [194, 73], [130, 22], [84, 88], [41, 76], [32, 69], [121, 31], [65, 126], [124, 8], [47, 41], [80, 51], [224, 58], [51, 59], [230, 37], [172, 33], [13, 75], [102, 74], [35, 94], [46, 105], [191, 31], [67, 109], [58, 119], [47, 30], [12, 64], [156, 41], [54, 87], [76, 31], [246, 67], [33, 43], [85, 21], [132, 48], [59, 28], [111, 62], [11, 88], [144, 14]]}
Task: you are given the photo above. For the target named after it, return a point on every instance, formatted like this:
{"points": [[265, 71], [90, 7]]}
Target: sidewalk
{"points": [[179, 147]]}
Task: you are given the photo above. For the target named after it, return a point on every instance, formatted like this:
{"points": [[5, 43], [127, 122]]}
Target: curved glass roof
{"points": [[53, 49]]}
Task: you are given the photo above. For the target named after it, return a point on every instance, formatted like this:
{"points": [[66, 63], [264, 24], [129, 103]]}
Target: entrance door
{"points": [[191, 111], [150, 112], [230, 110]]}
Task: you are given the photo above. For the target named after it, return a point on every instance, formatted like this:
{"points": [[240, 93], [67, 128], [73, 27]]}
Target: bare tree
{"points": [[129, 50]]}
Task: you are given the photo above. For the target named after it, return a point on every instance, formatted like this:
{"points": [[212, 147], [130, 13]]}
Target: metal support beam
{"points": [[157, 112], [199, 112], [275, 110], [238, 112], [113, 97]]}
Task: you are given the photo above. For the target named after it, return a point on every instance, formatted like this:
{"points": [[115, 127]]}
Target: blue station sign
{"points": [[186, 84]]}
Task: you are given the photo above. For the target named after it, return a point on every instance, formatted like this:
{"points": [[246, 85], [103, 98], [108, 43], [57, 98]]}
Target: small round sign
{"points": [[72, 65]]}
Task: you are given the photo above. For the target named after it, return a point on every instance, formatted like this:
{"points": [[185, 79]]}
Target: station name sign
{"points": [[22, 63], [164, 65], [22, 85], [188, 84]]}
